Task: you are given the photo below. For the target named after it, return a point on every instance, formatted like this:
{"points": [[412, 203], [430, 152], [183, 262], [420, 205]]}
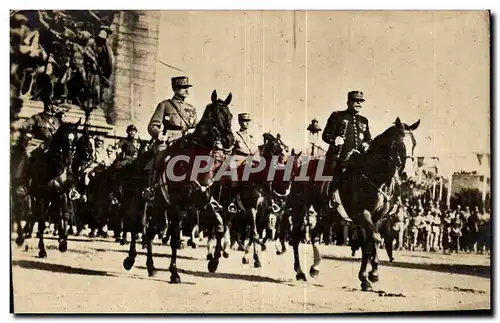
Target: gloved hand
{"points": [[365, 146], [339, 141]]}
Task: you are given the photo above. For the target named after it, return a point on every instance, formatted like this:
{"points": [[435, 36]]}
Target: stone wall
{"points": [[135, 42]]}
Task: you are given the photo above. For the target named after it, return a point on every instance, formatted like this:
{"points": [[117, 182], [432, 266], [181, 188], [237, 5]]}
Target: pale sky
{"points": [[432, 66]]}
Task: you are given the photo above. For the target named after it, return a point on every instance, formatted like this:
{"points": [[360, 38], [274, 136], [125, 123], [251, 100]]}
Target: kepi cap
{"points": [[355, 95], [244, 117], [181, 82]]}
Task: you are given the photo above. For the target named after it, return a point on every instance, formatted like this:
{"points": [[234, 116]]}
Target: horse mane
{"points": [[216, 115]]}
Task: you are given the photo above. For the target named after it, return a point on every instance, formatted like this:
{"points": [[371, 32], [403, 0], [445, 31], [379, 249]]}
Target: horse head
{"points": [[215, 124], [273, 146], [396, 146], [63, 143]]}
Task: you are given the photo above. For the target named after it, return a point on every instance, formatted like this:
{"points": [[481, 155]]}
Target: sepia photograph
{"points": [[250, 161]]}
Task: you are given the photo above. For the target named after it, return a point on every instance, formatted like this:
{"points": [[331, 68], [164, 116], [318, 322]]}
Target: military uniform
{"points": [[175, 115], [130, 148], [353, 129], [357, 132], [244, 144], [42, 127]]}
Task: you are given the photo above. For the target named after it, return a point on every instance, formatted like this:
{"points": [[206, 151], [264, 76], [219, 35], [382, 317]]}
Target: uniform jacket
{"points": [[174, 114], [357, 132], [42, 127], [244, 144], [129, 148]]}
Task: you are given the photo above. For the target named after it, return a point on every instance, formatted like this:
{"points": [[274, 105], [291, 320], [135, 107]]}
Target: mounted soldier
{"points": [[129, 147], [172, 119], [244, 144], [347, 133], [37, 133]]}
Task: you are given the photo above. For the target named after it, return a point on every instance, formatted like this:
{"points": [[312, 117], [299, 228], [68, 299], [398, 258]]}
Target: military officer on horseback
{"points": [[347, 133], [176, 116], [129, 146], [37, 132], [244, 144], [42, 126]]}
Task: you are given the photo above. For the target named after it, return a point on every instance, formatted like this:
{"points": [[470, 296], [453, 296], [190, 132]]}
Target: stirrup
{"points": [[336, 204]]}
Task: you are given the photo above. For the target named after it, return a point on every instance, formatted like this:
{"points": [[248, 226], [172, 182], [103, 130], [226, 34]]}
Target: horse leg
{"points": [[175, 237], [65, 211], [226, 243], [42, 253], [373, 274], [255, 238], [128, 262], [213, 263], [283, 233], [148, 237], [298, 219], [20, 232], [210, 247], [365, 253], [314, 271], [194, 232], [389, 245]]}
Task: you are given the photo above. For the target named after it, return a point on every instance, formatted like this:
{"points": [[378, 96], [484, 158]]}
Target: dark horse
{"points": [[366, 190], [259, 196], [52, 183], [213, 138]]}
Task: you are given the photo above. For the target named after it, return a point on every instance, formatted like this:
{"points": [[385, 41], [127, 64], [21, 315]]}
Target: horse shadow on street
{"points": [[459, 269], [143, 253], [231, 276], [64, 269]]}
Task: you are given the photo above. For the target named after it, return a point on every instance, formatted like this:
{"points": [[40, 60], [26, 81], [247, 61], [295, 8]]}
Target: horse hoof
{"points": [[91, 234], [104, 234], [118, 240], [193, 245], [313, 272], [175, 279], [152, 272], [391, 259], [42, 254], [366, 286], [128, 263], [123, 242], [210, 256], [63, 246], [71, 232], [26, 248], [257, 264], [244, 260], [212, 265], [164, 241], [373, 277], [263, 247], [19, 241], [301, 277], [225, 254]]}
